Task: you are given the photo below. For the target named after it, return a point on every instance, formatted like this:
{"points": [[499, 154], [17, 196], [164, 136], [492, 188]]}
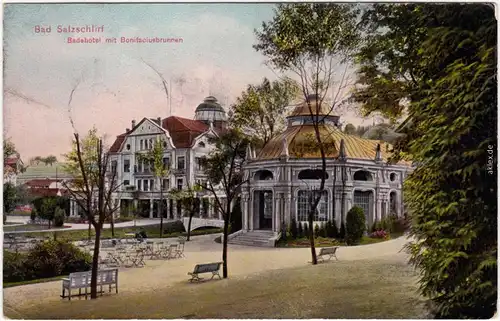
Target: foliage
{"points": [[449, 53], [48, 209], [342, 230], [379, 234], [355, 225], [306, 229], [46, 259], [350, 129], [335, 230], [4, 218], [9, 149], [174, 227], [294, 232], [33, 214], [260, 110], [9, 197], [316, 230], [59, 216], [300, 230], [224, 168]]}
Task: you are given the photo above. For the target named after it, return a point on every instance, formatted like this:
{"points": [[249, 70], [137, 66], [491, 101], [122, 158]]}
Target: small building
{"points": [[286, 173]]}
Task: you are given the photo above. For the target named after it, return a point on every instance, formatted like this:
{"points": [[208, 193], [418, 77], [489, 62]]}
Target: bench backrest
{"points": [[107, 276], [328, 250], [210, 267], [77, 279]]}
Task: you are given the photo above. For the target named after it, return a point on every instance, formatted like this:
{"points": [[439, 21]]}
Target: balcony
{"points": [[178, 172]]}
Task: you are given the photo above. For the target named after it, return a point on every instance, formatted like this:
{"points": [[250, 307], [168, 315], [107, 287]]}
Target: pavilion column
{"points": [[275, 212], [251, 207], [379, 210], [244, 211]]}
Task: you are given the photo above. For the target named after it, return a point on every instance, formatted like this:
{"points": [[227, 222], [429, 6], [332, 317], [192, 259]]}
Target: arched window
{"points": [[312, 174], [393, 209], [304, 202], [362, 176], [392, 177], [263, 175], [365, 201], [128, 146]]}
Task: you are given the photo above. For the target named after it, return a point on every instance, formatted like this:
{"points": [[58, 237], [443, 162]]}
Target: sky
{"points": [[111, 83]]}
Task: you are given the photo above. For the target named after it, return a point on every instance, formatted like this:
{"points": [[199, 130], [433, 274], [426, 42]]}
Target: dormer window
{"points": [[201, 144]]}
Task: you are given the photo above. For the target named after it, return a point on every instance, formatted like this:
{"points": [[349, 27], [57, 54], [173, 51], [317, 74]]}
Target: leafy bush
{"points": [[46, 259], [33, 214], [322, 230], [355, 225], [174, 227], [334, 229], [283, 232], [379, 234], [300, 230], [59, 216], [293, 229], [306, 229], [316, 230], [342, 230]]}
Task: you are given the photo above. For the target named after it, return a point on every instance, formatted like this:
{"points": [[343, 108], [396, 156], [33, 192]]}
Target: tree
{"points": [[314, 41], [355, 225], [223, 167], [451, 92], [350, 129], [10, 197], [189, 201], [260, 110], [92, 188], [9, 149], [161, 170], [48, 209], [51, 159]]}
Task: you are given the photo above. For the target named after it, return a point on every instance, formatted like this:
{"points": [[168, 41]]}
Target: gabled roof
{"points": [[183, 131], [118, 143]]}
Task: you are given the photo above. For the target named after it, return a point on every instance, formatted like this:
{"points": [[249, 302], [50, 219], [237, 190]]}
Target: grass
{"points": [[325, 242], [360, 289], [152, 231], [55, 278], [28, 227]]}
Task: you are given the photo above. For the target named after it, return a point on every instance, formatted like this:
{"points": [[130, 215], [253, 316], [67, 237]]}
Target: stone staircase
{"points": [[261, 238]]}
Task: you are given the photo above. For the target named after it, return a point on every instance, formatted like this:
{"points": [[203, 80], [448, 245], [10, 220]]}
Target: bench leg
{"points": [[216, 273], [69, 293], [63, 293]]}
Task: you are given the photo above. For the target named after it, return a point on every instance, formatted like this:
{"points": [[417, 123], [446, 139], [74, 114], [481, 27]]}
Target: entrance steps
{"points": [[260, 238]]}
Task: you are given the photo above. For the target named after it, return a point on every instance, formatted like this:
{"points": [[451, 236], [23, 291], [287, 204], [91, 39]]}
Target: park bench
{"points": [[327, 251], [81, 280], [205, 268]]}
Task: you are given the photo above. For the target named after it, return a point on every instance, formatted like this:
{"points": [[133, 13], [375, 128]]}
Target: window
{"points": [[151, 143], [126, 182], [146, 186], [362, 176], [198, 163], [304, 202], [128, 146], [365, 201], [139, 186], [179, 183], [201, 144], [114, 165], [198, 182], [152, 184], [141, 166], [180, 162], [141, 144], [392, 177], [179, 209], [164, 144], [166, 162], [126, 165], [166, 184]]}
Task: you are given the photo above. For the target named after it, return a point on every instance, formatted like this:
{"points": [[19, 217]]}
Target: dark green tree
{"points": [[294, 232], [439, 62], [335, 231], [10, 197], [300, 230], [306, 229], [355, 225], [342, 231]]}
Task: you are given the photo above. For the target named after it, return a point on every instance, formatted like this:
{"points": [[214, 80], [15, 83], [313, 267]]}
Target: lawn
{"points": [[325, 242], [152, 231], [343, 289], [28, 227]]}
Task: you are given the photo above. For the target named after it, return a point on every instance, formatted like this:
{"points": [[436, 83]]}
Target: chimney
{"points": [[127, 130], [378, 155], [133, 123], [158, 120]]}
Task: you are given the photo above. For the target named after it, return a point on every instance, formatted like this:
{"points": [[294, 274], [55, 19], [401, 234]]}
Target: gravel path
{"points": [[243, 261]]}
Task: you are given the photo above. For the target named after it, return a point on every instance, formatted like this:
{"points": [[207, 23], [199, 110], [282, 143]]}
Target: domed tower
{"points": [[211, 111]]}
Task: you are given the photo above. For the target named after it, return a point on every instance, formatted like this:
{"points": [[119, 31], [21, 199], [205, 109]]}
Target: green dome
{"points": [[210, 104]]}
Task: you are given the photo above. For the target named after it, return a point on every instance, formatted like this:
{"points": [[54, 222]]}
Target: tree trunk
{"points": [[112, 222], [224, 247], [314, 260], [191, 214], [160, 210], [90, 229], [95, 262]]}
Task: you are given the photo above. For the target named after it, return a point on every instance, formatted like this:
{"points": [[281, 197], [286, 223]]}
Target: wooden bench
{"points": [[327, 251], [81, 280], [205, 268]]}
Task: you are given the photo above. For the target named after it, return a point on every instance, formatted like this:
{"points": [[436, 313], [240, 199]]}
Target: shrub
{"points": [[342, 230], [300, 230], [380, 234], [316, 230], [46, 259], [374, 227], [59, 216], [283, 232], [173, 227], [306, 229], [335, 231], [355, 225], [293, 229], [322, 229]]}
